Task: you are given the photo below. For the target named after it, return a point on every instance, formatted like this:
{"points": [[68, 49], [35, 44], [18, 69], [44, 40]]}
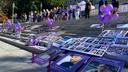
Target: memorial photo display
{"points": [[115, 50], [88, 45], [121, 41]]}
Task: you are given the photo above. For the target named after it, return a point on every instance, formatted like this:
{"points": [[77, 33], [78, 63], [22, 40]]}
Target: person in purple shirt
{"points": [[8, 24], [77, 12]]}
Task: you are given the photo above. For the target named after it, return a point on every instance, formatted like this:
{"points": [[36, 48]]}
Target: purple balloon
{"points": [[115, 16], [100, 17], [109, 7], [103, 8], [106, 19]]}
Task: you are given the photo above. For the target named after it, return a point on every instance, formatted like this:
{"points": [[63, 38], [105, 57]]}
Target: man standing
{"points": [[87, 9], [115, 4], [101, 2]]}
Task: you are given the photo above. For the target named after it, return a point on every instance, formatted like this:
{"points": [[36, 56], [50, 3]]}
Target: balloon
{"points": [[109, 7], [100, 17], [115, 16], [103, 8], [106, 19]]}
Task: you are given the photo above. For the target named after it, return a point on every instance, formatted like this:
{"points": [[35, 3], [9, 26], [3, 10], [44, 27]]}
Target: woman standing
{"points": [[77, 12], [87, 9]]}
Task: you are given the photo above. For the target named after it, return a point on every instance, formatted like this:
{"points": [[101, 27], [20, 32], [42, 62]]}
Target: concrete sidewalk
{"points": [[13, 59]]}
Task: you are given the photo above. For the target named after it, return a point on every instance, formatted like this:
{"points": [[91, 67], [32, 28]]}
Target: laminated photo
{"points": [[80, 48], [97, 46], [95, 66], [90, 40], [121, 41], [100, 52], [69, 61], [120, 51], [87, 49], [94, 51], [104, 47]]}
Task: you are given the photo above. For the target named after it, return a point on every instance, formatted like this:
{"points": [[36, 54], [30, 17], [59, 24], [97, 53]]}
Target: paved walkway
{"points": [[13, 59]]}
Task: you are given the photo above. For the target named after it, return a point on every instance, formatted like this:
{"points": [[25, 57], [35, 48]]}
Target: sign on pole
{"points": [[13, 8]]}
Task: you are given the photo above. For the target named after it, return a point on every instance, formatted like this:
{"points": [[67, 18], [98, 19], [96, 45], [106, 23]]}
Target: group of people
{"points": [[57, 14], [60, 13], [8, 26]]}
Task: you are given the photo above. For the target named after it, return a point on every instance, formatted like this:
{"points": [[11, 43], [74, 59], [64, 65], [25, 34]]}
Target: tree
{"points": [[5, 6], [25, 6], [57, 2]]}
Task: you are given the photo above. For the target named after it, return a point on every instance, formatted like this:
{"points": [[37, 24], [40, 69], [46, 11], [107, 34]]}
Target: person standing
{"points": [[6, 25], [101, 2], [67, 13], [115, 4], [77, 12], [87, 9], [17, 29], [70, 14]]}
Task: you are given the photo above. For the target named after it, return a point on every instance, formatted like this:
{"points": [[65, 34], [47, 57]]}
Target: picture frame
{"points": [[64, 64], [100, 64]]}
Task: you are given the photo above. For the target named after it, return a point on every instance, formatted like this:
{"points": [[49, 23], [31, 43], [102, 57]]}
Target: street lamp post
{"points": [[41, 6], [13, 8]]}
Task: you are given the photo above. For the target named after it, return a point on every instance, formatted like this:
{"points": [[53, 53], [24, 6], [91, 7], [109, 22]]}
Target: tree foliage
{"points": [[57, 2], [25, 6]]}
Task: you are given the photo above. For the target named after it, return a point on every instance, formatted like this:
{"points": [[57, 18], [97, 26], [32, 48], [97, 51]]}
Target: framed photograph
{"points": [[121, 41], [102, 65], [69, 63], [118, 51]]}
